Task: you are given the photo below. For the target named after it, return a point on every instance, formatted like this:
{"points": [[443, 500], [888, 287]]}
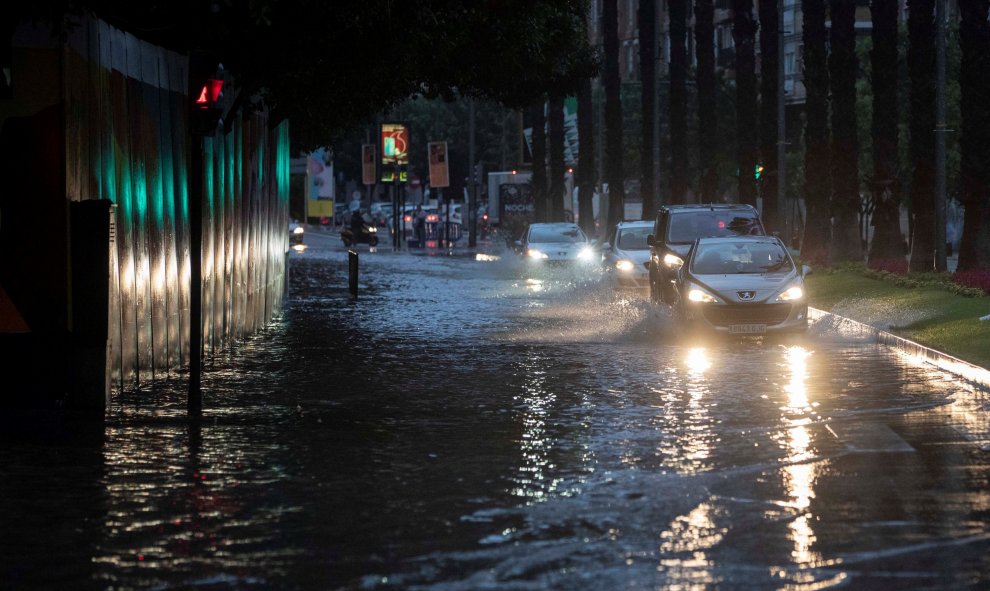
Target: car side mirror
{"points": [[650, 240], [805, 270]]}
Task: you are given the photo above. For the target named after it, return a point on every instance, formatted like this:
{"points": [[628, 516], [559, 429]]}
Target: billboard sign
{"points": [[368, 164], [395, 151], [439, 174]]}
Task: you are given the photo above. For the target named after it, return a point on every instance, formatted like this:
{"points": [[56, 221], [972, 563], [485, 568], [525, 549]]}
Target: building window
{"points": [[789, 63]]}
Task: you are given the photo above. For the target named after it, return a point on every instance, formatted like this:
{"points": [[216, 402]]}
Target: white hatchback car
{"points": [[560, 243]]}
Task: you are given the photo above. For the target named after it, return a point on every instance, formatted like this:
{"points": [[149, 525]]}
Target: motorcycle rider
{"points": [[357, 224]]}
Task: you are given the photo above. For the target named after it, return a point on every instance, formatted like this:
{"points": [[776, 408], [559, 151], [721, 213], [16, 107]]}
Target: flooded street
{"points": [[464, 425]]}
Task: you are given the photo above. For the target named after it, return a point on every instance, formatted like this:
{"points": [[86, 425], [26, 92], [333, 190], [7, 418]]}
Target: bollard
{"points": [[352, 264]]}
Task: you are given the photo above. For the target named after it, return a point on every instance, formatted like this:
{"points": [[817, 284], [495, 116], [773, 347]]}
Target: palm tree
{"points": [[814, 247], [744, 35], [539, 162], [846, 242], [974, 38], [678, 101], [704, 38], [556, 136], [648, 71], [613, 114], [921, 70], [769, 58], [888, 243]]}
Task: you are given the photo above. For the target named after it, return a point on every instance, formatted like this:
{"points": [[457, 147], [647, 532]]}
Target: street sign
{"points": [[439, 173], [368, 164]]}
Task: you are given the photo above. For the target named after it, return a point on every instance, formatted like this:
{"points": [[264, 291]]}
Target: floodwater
{"points": [[463, 426]]}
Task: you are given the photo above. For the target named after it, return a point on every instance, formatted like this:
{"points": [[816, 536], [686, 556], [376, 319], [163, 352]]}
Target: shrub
{"points": [[898, 266], [974, 279]]}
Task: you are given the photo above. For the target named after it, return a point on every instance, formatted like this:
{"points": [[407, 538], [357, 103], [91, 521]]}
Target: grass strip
{"points": [[927, 310]]}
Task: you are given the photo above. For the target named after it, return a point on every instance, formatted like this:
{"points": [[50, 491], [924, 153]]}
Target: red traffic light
{"points": [[210, 93]]}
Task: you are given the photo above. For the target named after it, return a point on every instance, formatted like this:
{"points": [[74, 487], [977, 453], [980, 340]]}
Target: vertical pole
{"points": [[352, 275], [473, 193], [656, 114], [396, 216], [781, 122], [195, 400], [940, 130]]}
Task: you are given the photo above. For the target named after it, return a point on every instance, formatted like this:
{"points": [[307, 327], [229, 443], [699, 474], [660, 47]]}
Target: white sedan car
{"points": [[556, 244], [626, 254]]}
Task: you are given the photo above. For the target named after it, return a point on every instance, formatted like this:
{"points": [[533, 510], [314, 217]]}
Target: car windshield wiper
{"points": [[775, 266]]}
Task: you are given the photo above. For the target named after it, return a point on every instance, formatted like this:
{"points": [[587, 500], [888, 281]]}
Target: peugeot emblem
{"points": [[746, 295]]}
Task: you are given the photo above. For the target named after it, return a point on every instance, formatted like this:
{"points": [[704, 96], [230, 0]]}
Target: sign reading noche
{"points": [[395, 152]]}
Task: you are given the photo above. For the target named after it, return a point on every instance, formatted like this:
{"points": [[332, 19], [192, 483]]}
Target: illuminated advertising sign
{"points": [[395, 151]]}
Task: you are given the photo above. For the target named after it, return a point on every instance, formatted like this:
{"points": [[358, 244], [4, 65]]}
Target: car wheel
{"points": [[654, 288], [373, 241]]}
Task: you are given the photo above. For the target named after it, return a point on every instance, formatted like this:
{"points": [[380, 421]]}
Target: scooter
{"points": [[368, 235]]}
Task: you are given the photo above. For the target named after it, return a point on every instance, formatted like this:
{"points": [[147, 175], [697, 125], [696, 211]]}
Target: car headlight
{"points": [[298, 230], [624, 266], [536, 254], [586, 253], [701, 296], [790, 294], [372, 229], [672, 261]]}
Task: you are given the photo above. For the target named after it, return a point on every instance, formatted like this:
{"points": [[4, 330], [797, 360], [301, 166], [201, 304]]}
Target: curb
{"points": [[973, 374]]}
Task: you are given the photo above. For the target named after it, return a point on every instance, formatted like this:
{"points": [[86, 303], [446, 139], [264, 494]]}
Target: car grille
{"points": [[747, 314]]}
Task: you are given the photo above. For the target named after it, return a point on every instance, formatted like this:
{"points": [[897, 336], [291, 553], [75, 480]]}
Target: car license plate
{"points": [[748, 328]]}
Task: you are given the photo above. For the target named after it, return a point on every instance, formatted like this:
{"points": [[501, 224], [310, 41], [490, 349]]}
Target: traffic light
{"points": [[206, 91], [758, 171]]}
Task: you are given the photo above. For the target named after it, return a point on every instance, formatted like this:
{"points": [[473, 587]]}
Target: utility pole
{"points": [[473, 192], [781, 125], [941, 264]]}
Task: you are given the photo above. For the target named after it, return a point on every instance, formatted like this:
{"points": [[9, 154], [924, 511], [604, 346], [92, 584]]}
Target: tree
{"points": [[328, 65], [974, 39], [540, 161], [704, 36], [648, 75], [744, 35], [586, 173], [613, 115], [888, 243], [846, 244], [678, 101], [921, 70], [769, 59], [555, 126], [814, 247]]}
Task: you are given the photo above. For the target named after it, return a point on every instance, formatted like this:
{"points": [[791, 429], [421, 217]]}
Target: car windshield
{"points": [[556, 234], [730, 258], [633, 238], [687, 226]]}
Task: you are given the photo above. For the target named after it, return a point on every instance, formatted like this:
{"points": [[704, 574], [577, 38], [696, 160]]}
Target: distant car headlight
{"points": [[700, 296], [624, 266], [536, 254], [298, 230], [790, 294], [673, 261], [586, 253], [372, 229]]}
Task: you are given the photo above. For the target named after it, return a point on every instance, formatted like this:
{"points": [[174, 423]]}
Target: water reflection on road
{"points": [[464, 425]]}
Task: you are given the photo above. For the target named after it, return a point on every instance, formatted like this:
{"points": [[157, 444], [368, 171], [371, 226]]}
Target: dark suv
{"points": [[678, 226]]}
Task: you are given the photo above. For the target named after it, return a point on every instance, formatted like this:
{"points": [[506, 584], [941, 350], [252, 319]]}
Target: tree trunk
{"points": [[678, 101], [556, 137], [648, 70], [539, 163], [814, 247], [888, 242], [974, 81], [586, 159], [613, 116], [921, 69], [843, 65], [744, 34], [769, 59], [704, 36]]}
